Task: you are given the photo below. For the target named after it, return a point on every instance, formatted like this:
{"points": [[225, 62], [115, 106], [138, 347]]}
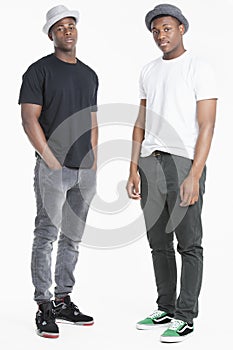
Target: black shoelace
{"points": [[73, 307], [48, 315]]}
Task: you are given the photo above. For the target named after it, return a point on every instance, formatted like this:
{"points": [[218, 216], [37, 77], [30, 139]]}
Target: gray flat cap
{"points": [[166, 10]]}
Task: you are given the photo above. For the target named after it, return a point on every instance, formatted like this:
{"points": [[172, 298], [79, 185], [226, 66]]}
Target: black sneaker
{"points": [[45, 321], [68, 312]]}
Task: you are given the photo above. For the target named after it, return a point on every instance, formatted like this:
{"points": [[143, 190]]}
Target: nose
{"points": [[67, 31], [161, 35]]}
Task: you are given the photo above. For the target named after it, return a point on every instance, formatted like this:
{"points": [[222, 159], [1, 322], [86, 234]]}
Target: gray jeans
{"points": [[161, 177], [63, 198]]}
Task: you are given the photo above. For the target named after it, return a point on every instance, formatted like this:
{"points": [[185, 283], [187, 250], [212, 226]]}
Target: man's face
{"points": [[168, 35], [64, 34]]}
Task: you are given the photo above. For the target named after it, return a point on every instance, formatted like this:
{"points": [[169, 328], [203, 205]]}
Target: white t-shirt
{"points": [[172, 89]]}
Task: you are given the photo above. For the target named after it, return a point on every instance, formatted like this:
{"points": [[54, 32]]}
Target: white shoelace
{"points": [[156, 313], [175, 324]]}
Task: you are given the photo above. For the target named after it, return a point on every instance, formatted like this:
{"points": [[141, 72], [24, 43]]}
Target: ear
{"points": [[50, 36], [182, 29]]}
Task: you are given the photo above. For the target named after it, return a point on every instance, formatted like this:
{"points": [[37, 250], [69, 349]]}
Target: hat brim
{"points": [[155, 13], [52, 21]]}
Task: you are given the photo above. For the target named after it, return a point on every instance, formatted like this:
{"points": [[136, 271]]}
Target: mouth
{"points": [[163, 44], [69, 40]]}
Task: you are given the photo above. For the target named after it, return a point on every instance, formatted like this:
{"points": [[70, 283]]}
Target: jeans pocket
{"points": [[49, 170]]}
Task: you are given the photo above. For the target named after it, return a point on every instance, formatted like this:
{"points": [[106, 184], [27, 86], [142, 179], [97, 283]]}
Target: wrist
{"points": [[195, 173], [133, 168]]}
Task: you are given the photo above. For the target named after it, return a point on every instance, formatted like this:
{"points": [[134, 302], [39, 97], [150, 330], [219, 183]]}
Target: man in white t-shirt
{"points": [[171, 142]]}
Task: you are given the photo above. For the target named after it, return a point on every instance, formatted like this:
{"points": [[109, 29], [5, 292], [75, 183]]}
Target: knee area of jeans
{"points": [[163, 251], [66, 240], [166, 249], [41, 241], [190, 250]]}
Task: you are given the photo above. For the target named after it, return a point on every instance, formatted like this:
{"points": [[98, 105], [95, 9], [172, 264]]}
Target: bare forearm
{"points": [[138, 137], [133, 183], [30, 119], [39, 142], [206, 114], [94, 143], [189, 189], [94, 137], [36, 136], [202, 150]]}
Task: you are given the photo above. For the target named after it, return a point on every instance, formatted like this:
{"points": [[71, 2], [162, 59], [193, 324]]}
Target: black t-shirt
{"points": [[68, 94]]}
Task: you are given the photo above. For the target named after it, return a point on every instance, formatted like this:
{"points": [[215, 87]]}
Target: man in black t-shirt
{"points": [[58, 100]]}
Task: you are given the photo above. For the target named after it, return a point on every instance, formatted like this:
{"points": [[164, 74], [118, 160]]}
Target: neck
{"points": [[174, 54], [69, 56]]}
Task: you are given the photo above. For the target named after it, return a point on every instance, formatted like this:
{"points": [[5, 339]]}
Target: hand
{"points": [[55, 165], [56, 168], [132, 186], [189, 191], [94, 166]]}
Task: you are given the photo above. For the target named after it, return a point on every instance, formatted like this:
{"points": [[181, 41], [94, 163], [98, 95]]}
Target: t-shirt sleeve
{"points": [[205, 82], [32, 87], [142, 92], [94, 106]]}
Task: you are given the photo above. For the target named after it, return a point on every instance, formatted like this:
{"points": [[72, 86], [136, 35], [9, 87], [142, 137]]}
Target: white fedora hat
{"points": [[56, 13]]}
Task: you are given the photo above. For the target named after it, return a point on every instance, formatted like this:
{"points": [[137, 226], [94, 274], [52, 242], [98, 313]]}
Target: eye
{"points": [[167, 29]]}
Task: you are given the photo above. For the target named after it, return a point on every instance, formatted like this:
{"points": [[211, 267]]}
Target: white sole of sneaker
{"points": [[47, 335], [175, 339], [75, 323], [142, 327]]}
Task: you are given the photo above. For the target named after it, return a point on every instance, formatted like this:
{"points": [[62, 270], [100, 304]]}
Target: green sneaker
{"points": [[177, 332], [154, 320]]}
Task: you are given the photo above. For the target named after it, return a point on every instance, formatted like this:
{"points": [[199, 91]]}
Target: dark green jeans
{"points": [[161, 177]]}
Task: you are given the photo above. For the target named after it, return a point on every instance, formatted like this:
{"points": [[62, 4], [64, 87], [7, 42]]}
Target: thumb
{"points": [[181, 192], [136, 186]]}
